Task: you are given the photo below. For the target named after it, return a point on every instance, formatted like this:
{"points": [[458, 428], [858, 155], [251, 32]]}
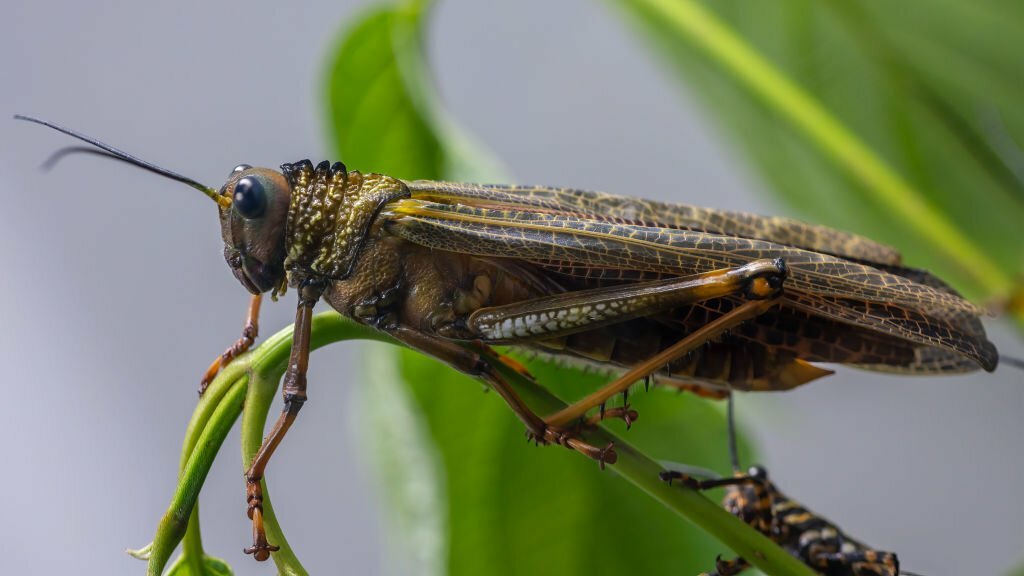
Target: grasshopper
{"points": [[700, 299], [817, 542]]}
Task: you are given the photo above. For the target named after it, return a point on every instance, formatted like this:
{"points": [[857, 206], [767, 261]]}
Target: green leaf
{"points": [[515, 508], [899, 122], [408, 467], [468, 495], [382, 108]]}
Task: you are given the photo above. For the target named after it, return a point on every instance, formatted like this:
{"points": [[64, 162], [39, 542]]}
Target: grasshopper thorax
{"points": [[330, 214], [302, 221]]}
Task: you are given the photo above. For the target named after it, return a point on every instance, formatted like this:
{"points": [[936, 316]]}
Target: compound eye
{"points": [[250, 199], [240, 168], [758, 472]]}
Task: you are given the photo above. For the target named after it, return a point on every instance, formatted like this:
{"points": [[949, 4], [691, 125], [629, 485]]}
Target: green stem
{"points": [[207, 405], [192, 543], [690, 19], [175, 521]]}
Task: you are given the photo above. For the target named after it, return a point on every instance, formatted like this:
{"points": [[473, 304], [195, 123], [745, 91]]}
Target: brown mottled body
{"points": [[702, 299], [427, 256], [839, 306], [633, 286], [770, 353], [396, 282]]}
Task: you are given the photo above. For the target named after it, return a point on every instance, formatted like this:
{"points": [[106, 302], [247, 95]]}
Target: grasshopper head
{"points": [[253, 210], [304, 218], [253, 226]]}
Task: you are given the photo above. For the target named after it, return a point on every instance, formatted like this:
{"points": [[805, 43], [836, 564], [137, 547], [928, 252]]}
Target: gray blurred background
{"points": [[115, 295]]}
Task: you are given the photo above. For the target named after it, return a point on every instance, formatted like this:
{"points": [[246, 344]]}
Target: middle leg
{"points": [[478, 365]]}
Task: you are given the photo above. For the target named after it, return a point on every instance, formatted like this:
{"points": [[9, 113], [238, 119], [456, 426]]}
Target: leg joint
{"points": [[293, 401], [767, 282]]}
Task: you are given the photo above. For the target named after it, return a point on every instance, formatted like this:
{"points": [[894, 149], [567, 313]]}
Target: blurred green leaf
{"points": [[382, 108], [514, 508], [376, 124], [407, 467], [507, 507], [930, 88]]}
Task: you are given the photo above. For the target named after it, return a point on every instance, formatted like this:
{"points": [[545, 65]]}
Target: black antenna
{"points": [[734, 454], [61, 153], [111, 152]]}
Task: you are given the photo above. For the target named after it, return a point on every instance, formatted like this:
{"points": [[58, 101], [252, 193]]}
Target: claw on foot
{"points": [[260, 549], [627, 414], [261, 554], [211, 373], [606, 455]]}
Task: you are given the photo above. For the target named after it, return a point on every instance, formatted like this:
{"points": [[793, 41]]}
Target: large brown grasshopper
{"points": [[700, 299]]}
